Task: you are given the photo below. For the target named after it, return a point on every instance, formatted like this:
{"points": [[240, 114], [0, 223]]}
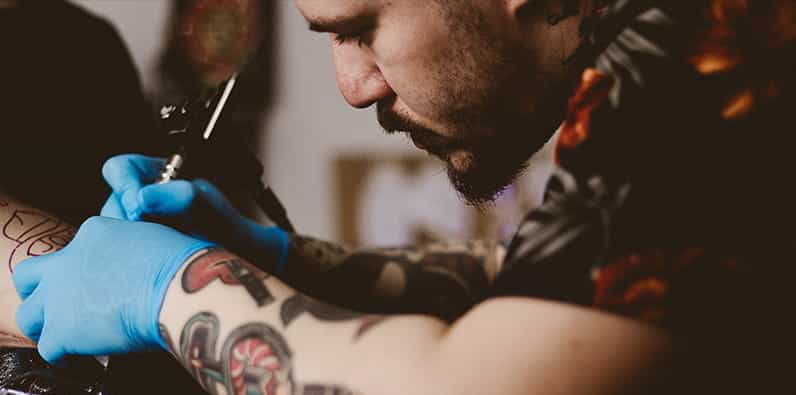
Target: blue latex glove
{"points": [[103, 292], [195, 207]]}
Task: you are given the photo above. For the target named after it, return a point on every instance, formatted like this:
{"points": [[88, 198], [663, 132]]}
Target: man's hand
{"points": [[195, 207], [102, 293]]}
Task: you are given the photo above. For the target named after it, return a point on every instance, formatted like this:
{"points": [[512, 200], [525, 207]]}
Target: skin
{"points": [[24, 232], [475, 83]]}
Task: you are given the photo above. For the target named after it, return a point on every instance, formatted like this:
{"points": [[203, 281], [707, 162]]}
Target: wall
{"points": [[309, 124], [141, 23]]}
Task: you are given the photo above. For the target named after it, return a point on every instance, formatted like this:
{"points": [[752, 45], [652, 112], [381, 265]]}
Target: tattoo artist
{"points": [[628, 279]]}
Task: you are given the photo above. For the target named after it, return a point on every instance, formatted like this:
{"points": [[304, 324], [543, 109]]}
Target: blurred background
{"points": [[340, 177]]}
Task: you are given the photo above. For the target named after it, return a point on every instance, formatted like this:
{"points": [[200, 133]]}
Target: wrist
{"points": [[271, 246], [162, 283]]}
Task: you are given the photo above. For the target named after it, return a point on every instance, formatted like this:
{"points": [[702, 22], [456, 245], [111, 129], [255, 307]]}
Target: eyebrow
{"points": [[339, 23]]}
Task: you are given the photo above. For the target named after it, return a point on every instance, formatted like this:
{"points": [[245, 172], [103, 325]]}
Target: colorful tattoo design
{"points": [[35, 234], [231, 270], [299, 304], [197, 347], [255, 359]]}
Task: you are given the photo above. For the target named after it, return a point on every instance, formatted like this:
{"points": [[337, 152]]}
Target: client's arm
{"points": [[24, 232]]}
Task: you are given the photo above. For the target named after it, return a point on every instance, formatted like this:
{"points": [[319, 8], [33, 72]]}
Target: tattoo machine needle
{"points": [[246, 163]]}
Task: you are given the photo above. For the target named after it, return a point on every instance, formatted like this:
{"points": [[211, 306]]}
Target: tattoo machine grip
{"points": [[222, 158]]}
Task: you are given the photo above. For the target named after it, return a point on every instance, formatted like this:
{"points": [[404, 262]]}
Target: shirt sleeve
{"points": [[645, 216]]}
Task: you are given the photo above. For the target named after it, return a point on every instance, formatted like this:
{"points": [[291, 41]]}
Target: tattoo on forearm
{"points": [[164, 333], [11, 340], [35, 234], [197, 347], [299, 304], [231, 270], [367, 323], [255, 359], [441, 279]]}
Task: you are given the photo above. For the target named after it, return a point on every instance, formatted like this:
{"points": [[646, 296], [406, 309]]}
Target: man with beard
{"points": [[647, 269]]}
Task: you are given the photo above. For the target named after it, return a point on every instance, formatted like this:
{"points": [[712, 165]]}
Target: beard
{"points": [[481, 94], [488, 164]]}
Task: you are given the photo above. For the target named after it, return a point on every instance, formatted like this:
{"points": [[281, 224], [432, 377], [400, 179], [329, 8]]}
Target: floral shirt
{"points": [[668, 204]]}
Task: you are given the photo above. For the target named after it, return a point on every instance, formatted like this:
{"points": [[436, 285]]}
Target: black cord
{"points": [[271, 206]]}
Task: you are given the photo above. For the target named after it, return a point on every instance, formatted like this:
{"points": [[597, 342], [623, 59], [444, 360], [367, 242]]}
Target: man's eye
{"points": [[342, 38]]}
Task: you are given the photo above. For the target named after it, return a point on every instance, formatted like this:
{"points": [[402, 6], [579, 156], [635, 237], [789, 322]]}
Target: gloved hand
{"points": [[194, 207], [103, 292]]}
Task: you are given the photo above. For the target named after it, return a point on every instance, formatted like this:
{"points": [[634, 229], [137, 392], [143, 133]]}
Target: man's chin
{"points": [[480, 185]]}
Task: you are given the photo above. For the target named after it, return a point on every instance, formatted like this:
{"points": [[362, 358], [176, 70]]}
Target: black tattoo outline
{"points": [[367, 323], [298, 304], [44, 235], [164, 333], [198, 347]]}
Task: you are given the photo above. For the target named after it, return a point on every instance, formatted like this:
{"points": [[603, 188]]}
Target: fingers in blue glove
{"points": [[113, 208], [27, 274], [50, 349], [76, 302], [171, 198], [212, 195], [30, 317], [126, 175]]}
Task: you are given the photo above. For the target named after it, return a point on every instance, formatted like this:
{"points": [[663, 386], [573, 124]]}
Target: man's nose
{"points": [[358, 76]]}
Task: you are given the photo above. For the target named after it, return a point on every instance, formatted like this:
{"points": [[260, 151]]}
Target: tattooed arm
{"points": [[239, 331], [441, 279], [26, 232]]}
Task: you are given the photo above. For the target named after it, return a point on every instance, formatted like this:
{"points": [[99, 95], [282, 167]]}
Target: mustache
{"points": [[432, 142]]}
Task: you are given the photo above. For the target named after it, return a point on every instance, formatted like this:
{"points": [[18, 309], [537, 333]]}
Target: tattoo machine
{"points": [[193, 123]]}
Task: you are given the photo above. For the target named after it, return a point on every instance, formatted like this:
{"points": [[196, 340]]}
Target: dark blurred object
{"points": [[71, 98], [198, 54], [22, 371]]}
